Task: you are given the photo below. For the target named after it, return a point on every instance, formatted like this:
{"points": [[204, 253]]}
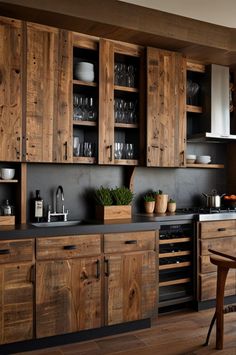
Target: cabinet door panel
{"points": [[16, 295], [166, 121], [131, 287], [208, 285], [68, 296], [10, 89], [42, 61]]}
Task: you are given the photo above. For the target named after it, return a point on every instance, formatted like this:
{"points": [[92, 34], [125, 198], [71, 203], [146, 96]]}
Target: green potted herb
{"points": [[171, 206], [161, 201], [149, 202]]}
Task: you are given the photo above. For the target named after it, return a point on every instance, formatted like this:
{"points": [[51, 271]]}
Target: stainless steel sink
{"points": [[57, 224]]}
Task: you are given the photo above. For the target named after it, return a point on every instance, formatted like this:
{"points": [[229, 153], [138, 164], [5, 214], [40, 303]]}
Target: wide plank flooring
{"points": [[180, 333]]}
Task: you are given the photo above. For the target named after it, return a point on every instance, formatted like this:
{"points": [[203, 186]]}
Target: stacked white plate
{"points": [[203, 159], [84, 71]]}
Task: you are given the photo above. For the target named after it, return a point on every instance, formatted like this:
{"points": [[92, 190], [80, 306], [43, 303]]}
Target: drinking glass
{"points": [[88, 149], [91, 109], [129, 150]]}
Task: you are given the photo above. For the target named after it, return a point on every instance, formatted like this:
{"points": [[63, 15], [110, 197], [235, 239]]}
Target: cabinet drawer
{"points": [[133, 241], [217, 229], [225, 245], [12, 251], [68, 246], [208, 285]]}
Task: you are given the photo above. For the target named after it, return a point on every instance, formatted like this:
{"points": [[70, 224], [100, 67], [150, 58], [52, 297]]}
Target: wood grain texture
{"points": [[42, 83], [62, 123], [113, 212], [16, 250], [7, 220], [218, 229], [106, 102], [59, 247], [166, 111], [11, 61], [208, 285], [16, 302], [127, 242], [68, 296], [131, 286]]}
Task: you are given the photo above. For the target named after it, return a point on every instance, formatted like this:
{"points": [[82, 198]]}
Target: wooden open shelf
{"points": [[126, 125], [125, 88], [206, 166], [174, 266], [126, 162], [84, 83], [196, 67], [8, 181], [84, 160], [85, 123], [175, 240], [194, 109]]}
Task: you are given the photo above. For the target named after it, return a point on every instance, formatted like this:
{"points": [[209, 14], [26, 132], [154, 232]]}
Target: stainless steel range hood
{"points": [[216, 120]]}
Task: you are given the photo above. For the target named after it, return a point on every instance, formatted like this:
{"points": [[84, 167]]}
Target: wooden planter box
{"points": [[7, 220], [113, 212]]}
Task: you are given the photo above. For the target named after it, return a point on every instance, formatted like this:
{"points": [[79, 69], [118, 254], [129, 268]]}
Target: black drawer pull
{"points": [[107, 267], [70, 247], [98, 269], [131, 242], [221, 229], [4, 251]]}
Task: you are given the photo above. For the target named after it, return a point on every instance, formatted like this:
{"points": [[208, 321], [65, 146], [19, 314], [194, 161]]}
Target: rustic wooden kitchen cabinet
{"points": [[219, 235], [166, 113], [130, 276], [68, 284], [11, 62], [48, 94], [17, 290], [121, 103]]}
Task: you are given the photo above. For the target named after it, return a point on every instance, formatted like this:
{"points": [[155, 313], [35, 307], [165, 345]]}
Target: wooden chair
{"points": [[224, 263]]}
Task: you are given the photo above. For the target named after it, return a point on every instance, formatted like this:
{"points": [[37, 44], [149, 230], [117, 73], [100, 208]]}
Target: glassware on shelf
{"points": [[129, 151], [192, 90], [84, 108], [125, 75], [125, 111], [118, 152]]}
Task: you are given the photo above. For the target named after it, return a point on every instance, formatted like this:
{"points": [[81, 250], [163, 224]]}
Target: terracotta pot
{"points": [[149, 206], [161, 201], [171, 207]]}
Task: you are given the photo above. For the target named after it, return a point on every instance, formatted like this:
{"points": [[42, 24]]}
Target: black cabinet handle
{"points": [[131, 242], [111, 152], [70, 247], [221, 229], [66, 148], [4, 251], [98, 269], [107, 268]]}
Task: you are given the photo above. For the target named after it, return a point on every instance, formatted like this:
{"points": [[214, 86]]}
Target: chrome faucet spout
{"points": [[60, 189], [59, 208]]}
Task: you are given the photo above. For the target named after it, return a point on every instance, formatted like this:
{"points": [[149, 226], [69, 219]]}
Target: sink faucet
{"points": [[59, 190], [56, 213]]}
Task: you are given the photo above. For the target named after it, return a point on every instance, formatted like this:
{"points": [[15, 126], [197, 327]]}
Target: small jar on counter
{"points": [[7, 209]]}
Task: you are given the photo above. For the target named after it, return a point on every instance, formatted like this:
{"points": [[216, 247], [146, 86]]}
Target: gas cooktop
{"points": [[209, 214]]}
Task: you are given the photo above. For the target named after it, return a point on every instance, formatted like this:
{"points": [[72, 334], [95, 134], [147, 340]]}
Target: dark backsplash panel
{"points": [[78, 181]]}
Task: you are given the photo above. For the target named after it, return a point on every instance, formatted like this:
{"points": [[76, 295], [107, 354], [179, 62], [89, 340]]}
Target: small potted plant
{"points": [[113, 203], [171, 206], [161, 201], [149, 203]]}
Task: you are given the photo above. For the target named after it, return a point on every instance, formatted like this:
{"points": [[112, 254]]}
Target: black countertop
{"points": [[139, 222]]}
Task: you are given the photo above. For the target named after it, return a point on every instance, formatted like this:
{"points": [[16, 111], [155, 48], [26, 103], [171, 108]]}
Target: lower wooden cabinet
{"points": [[68, 296], [130, 286], [16, 290], [221, 236]]}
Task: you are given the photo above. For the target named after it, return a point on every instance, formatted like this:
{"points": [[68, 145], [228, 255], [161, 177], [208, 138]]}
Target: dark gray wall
{"points": [[184, 185]]}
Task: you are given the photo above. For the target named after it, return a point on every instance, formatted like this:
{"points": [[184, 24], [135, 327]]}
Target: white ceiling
{"points": [[220, 12]]}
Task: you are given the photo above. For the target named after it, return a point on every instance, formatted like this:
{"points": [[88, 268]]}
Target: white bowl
{"points": [[203, 159], [191, 156], [84, 66], [7, 173], [87, 75]]}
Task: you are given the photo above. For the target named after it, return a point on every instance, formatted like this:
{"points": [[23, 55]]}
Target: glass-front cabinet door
{"points": [[121, 106]]}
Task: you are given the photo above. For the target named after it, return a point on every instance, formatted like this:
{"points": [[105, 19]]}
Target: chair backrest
{"points": [[225, 260]]}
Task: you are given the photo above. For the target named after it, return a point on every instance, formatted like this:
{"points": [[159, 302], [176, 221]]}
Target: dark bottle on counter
{"points": [[38, 207]]}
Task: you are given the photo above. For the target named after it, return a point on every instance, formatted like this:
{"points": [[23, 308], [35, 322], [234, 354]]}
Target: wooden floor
{"points": [[181, 333]]}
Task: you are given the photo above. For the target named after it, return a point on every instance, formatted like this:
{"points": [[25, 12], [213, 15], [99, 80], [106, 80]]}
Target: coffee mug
{"points": [[7, 173]]}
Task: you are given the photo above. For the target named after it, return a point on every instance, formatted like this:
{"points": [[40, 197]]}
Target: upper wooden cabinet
{"points": [[166, 108], [10, 89], [121, 103], [48, 94]]}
